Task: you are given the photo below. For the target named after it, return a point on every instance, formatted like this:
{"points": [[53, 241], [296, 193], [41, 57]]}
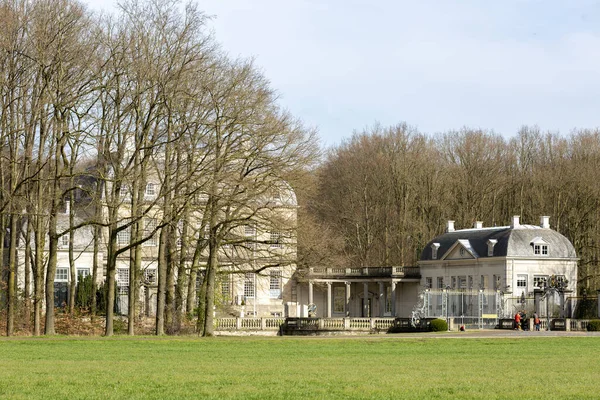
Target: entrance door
{"points": [[366, 310]]}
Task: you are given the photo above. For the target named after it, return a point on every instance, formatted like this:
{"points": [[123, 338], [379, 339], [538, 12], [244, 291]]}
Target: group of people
{"points": [[521, 318]]}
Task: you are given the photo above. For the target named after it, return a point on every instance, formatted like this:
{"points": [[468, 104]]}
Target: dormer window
{"points": [[540, 249], [434, 251], [540, 246], [491, 243]]}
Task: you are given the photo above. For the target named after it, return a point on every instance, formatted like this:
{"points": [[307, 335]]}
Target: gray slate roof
{"points": [[512, 242]]}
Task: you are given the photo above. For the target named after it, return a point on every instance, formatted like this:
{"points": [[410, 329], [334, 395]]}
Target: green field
{"points": [[276, 367]]}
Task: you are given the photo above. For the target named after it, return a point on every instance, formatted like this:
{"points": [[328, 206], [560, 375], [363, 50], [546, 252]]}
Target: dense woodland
{"points": [[383, 194], [100, 104]]}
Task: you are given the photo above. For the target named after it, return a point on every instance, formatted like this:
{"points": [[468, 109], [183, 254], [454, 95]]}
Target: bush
{"points": [[438, 325], [594, 325]]}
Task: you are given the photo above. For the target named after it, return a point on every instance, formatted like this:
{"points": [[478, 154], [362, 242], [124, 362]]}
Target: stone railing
{"points": [[354, 324], [248, 324], [380, 272]]}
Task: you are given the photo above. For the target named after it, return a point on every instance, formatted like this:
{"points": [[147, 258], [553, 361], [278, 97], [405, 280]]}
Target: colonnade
{"points": [[365, 306]]}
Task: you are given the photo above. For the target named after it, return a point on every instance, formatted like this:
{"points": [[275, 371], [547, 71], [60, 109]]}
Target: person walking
{"points": [[536, 322], [518, 320]]}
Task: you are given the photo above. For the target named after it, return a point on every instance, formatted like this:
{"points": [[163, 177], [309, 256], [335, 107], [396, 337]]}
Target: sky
{"points": [[344, 65]]}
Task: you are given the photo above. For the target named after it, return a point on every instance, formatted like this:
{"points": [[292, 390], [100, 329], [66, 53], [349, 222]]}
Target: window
{"points": [[540, 246], [540, 281], [540, 249], [440, 282], [123, 276], [491, 243], [123, 191], [462, 282], [497, 282], [150, 190], [276, 194], [226, 288], [123, 236], [150, 275], [83, 273], [62, 274], [470, 284], [249, 290], [453, 282], [249, 230], [275, 239], [64, 241], [428, 282], [522, 282], [434, 251], [150, 225], [250, 233], [339, 299], [485, 282], [275, 285]]}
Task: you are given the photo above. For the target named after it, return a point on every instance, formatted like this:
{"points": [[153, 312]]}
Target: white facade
{"points": [[515, 260]]}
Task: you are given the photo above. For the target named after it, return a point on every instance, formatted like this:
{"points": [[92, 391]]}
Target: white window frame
{"points": [[538, 279], [428, 282], [249, 285], [64, 240], [123, 191], [124, 236], [150, 275], [440, 282], [275, 283], [62, 274], [150, 189], [522, 282], [250, 233], [226, 288], [276, 239], [83, 272], [150, 225], [122, 276]]}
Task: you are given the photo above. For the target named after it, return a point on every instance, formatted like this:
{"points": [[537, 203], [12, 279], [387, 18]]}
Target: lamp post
{"points": [[447, 291]]}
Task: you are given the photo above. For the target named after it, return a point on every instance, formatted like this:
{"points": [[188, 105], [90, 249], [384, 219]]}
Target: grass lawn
{"points": [[289, 367]]}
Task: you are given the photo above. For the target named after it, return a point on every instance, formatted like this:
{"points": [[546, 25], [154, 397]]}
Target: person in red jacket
{"points": [[517, 320]]}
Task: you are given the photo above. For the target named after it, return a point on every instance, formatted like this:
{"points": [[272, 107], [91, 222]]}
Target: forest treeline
{"points": [[93, 109], [380, 196]]}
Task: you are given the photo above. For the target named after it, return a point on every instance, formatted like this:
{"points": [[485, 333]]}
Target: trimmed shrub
{"points": [[594, 325], [438, 325]]}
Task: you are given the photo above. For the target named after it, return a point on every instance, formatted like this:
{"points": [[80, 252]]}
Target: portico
{"points": [[360, 292]]}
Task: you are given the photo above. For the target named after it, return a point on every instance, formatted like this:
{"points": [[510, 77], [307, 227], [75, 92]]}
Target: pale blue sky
{"points": [[342, 65]]}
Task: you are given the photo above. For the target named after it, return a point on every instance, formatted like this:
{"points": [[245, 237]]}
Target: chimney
{"points": [[67, 207], [450, 227], [545, 222], [478, 225], [515, 222]]}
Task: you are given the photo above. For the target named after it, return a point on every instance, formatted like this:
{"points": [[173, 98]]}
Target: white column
{"points": [[366, 299], [381, 300], [310, 292], [393, 299], [347, 306], [328, 299]]}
